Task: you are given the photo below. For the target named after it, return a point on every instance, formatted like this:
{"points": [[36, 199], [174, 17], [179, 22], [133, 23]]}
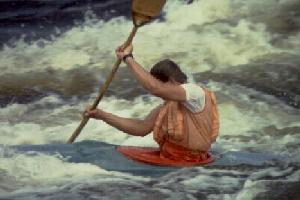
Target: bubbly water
{"points": [[55, 55]]}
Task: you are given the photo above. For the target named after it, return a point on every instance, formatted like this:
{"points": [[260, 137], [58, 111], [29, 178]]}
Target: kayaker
{"points": [[184, 126]]}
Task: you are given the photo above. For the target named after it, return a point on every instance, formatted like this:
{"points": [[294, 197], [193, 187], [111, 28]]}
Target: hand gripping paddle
{"points": [[142, 11]]}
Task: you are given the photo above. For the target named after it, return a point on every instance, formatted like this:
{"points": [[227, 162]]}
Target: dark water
{"points": [[42, 19], [55, 54]]}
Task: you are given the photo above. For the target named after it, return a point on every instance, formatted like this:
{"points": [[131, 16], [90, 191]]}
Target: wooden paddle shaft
{"points": [[104, 87]]}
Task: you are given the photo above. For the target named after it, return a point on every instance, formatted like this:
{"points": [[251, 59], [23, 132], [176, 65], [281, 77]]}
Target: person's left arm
{"points": [[167, 91]]}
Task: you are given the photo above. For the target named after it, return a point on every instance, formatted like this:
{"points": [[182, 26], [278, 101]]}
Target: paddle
{"points": [[142, 11]]}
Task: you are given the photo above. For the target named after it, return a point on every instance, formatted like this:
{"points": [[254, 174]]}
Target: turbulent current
{"points": [[54, 56]]}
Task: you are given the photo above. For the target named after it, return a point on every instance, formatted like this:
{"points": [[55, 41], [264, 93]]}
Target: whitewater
{"points": [[247, 52]]}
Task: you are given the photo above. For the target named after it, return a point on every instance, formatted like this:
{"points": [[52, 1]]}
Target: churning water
{"points": [[55, 54]]}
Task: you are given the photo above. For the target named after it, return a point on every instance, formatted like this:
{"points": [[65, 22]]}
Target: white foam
{"points": [[46, 168], [188, 35], [36, 168], [38, 123], [204, 35], [207, 181], [257, 181], [250, 190], [241, 115]]}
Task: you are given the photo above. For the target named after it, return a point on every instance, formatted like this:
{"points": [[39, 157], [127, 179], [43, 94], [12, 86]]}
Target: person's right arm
{"points": [[130, 126]]}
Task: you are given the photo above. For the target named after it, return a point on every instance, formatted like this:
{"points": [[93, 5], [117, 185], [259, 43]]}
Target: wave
{"points": [[245, 51], [218, 37]]}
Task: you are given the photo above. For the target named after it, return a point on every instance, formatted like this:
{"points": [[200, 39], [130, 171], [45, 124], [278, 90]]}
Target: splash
{"points": [[203, 35]]}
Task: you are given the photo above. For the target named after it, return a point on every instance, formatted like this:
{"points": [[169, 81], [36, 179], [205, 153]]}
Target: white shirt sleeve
{"points": [[195, 97]]}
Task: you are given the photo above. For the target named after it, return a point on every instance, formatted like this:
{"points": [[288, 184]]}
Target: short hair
{"points": [[165, 69]]}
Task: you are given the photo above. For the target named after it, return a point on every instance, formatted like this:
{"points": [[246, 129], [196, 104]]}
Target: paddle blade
{"points": [[143, 11]]}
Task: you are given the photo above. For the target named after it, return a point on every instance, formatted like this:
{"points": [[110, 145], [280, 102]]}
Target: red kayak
{"points": [[155, 156]]}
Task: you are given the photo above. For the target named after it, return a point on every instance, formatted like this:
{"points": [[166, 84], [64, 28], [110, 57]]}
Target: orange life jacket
{"points": [[184, 137], [176, 126]]}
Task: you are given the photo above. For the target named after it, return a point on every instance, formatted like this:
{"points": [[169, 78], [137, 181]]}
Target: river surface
{"points": [[54, 56]]}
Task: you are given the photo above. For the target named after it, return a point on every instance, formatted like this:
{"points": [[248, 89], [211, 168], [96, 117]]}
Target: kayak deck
{"points": [[107, 157]]}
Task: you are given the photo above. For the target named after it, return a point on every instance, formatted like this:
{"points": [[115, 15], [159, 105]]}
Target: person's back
{"points": [[190, 126]]}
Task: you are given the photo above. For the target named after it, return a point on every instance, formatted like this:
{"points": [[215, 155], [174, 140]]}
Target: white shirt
{"points": [[195, 97]]}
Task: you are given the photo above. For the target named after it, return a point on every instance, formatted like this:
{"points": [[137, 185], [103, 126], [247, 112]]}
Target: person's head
{"points": [[167, 70]]}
